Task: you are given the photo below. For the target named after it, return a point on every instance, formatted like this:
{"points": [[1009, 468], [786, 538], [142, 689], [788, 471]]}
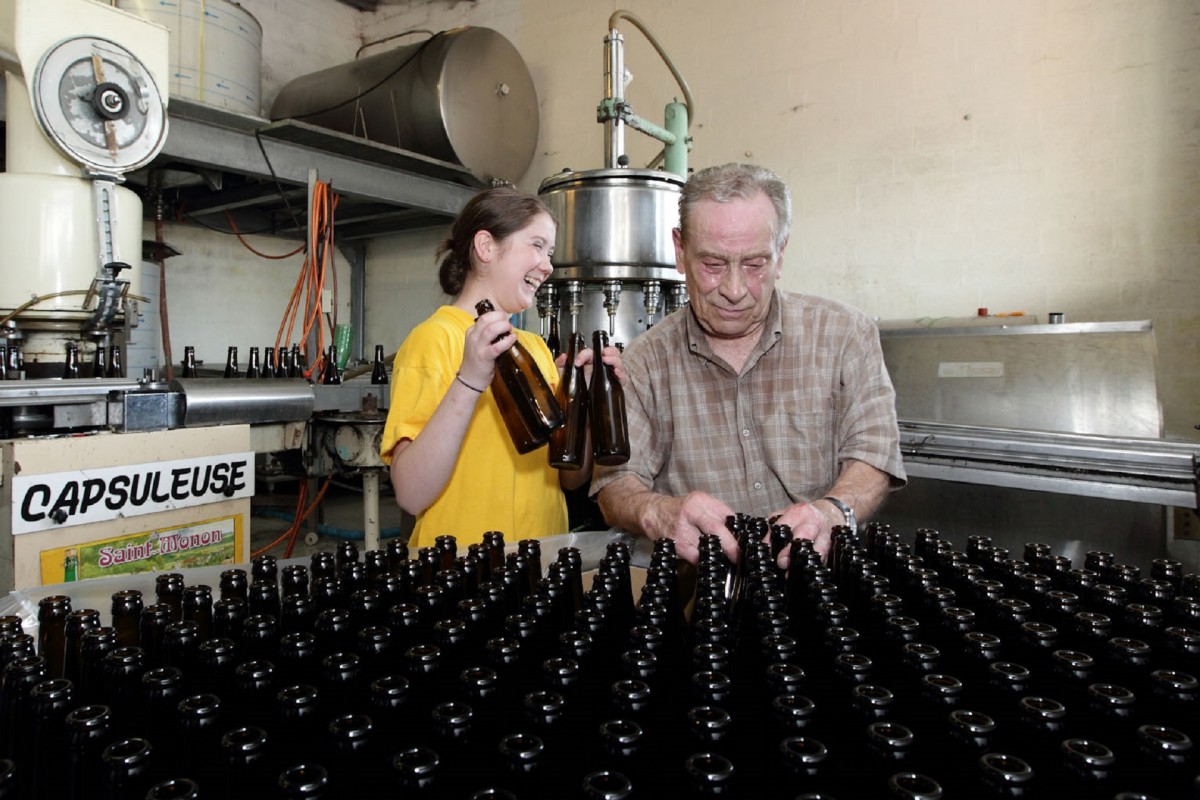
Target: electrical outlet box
{"points": [[1187, 525]]}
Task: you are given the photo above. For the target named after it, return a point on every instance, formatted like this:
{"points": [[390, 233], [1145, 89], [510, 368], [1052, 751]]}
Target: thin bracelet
{"points": [[458, 377]]}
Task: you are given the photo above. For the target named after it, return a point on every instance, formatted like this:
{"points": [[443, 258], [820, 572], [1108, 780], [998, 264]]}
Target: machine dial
{"points": [[99, 104]]}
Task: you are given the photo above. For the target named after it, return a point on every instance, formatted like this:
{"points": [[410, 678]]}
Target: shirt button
{"points": [[745, 432], [757, 485]]}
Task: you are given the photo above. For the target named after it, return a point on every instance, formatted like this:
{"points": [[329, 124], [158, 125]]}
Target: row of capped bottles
{"points": [[106, 362], [283, 363]]}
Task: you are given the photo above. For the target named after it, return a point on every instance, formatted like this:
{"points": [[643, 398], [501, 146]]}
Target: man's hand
{"points": [[813, 521], [684, 519]]}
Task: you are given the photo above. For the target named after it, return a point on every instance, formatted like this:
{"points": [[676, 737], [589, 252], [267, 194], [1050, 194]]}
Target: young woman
{"points": [[453, 464]]}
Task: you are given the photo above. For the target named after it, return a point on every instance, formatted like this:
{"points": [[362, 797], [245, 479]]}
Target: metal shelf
{"points": [[213, 162]]}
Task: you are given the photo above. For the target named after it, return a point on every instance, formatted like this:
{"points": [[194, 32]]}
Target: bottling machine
{"points": [[614, 261]]}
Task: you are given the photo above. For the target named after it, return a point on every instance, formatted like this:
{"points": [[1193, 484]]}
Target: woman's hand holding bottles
{"points": [[491, 335]]}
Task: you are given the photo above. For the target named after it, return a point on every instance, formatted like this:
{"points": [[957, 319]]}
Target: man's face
{"points": [[731, 265]]}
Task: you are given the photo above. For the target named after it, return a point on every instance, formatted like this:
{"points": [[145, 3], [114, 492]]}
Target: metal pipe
{"points": [[216, 401], [614, 95], [370, 482]]}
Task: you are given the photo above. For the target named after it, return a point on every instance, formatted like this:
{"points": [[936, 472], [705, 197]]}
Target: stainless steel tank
{"points": [[464, 95], [614, 260]]}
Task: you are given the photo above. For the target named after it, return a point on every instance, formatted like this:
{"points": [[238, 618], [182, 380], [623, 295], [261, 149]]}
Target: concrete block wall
{"points": [[944, 155]]}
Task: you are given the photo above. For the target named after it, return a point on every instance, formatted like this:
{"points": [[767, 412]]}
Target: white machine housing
{"points": [[48, 202]]}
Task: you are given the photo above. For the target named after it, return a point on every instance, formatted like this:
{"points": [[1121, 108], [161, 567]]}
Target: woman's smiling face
{"points": [[520, 263]]}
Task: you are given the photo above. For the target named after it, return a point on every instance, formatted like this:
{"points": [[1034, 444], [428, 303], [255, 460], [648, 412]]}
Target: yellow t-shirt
{"points": [[492, 487]]}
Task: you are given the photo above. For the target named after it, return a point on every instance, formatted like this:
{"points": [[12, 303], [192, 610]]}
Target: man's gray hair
{"points": [[738, 181]]}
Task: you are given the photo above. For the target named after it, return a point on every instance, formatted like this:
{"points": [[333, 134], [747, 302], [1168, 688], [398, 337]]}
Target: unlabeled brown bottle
{"points": [[331, 376], [379, 375], [115, 368], [552, 340], [99, 362], [52, 632], [525, 399], [189, 361], [71, 367], [253, 368], [568, 442], [16, 362], [269, 367], [299, 364], [127, 605], [231, 365], [610, 427]]}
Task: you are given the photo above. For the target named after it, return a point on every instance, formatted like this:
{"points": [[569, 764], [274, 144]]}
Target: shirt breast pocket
{"points": [[800, 450]]}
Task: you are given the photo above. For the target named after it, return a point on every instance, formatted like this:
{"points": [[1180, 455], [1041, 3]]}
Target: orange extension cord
{"points": [[302, 513], [310, 284]]}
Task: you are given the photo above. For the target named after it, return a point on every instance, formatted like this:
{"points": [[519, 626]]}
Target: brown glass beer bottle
{"points": [[525, 399], [567, 443], [610, 428]]}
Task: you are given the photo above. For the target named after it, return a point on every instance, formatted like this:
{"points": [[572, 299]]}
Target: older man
{"points": [[751, 400]]}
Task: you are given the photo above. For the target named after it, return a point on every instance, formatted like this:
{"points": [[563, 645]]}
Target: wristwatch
{"points": [[847, 512]]}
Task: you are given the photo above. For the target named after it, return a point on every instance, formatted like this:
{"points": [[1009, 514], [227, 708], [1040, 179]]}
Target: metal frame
{"points": [[427, 190], [1134, 469]]}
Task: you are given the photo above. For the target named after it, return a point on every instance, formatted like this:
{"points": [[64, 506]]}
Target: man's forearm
{"points": [[625, 504], [862, 487]]}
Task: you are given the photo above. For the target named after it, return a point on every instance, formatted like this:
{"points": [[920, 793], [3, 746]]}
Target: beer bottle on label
{"points": [[231, 363], [379, 375], [253, 369], [610, 428], [115, 368], [71, 367], [189, 361], [525, 399], [567, 442], [70, 565]]}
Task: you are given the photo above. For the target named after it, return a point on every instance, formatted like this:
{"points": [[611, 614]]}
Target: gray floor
{"points": [[339, 515]]}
